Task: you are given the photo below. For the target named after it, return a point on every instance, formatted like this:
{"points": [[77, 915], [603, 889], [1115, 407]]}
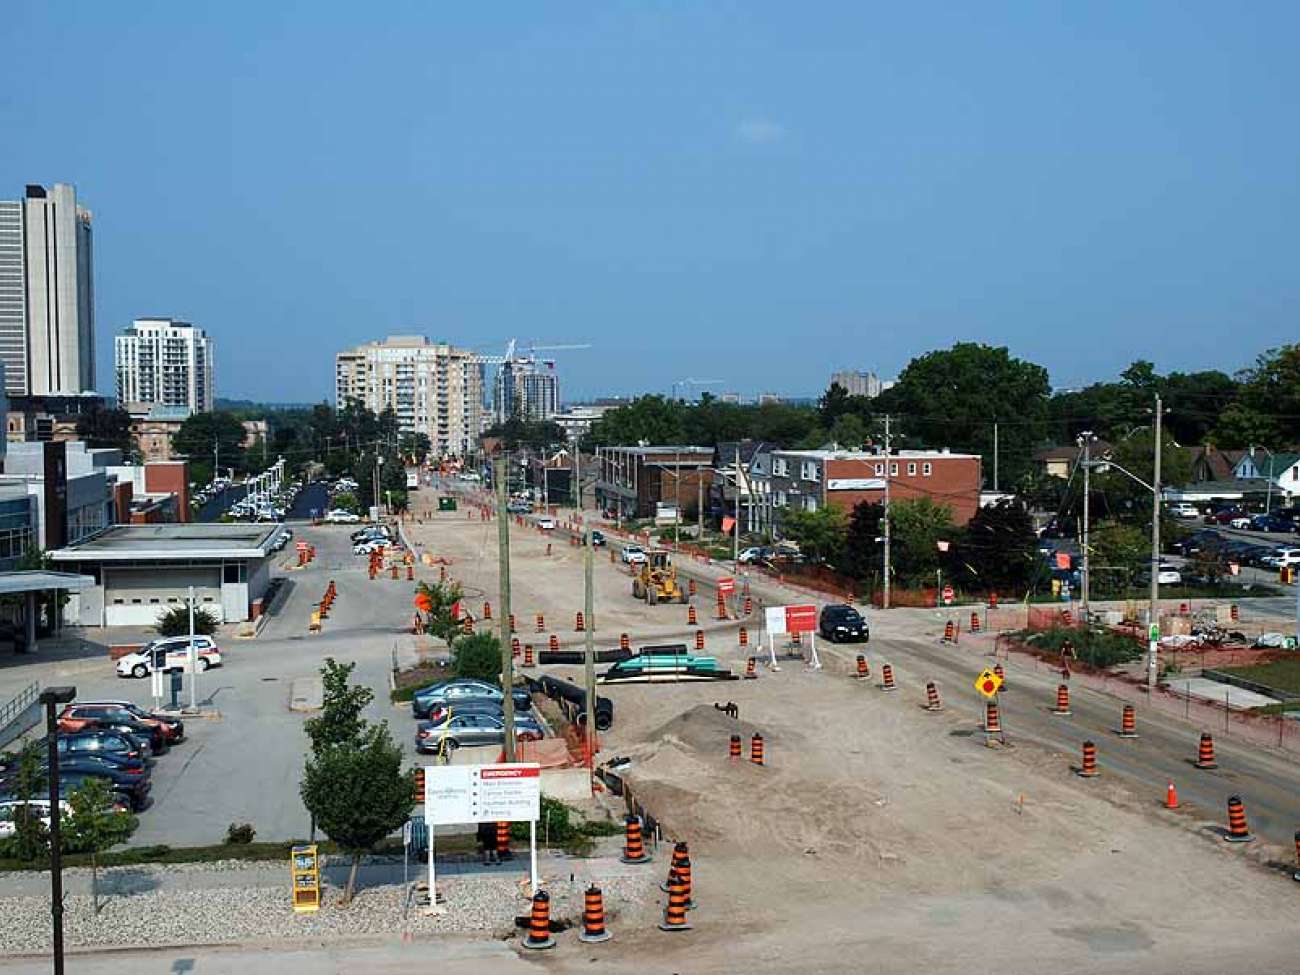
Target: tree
{"points": [[1126, 497], [999, 548], [339, 722], [534, 434], [820, 534], [204, 434], [440, 598], [862, 556], [93, 826], [849, 432], [176, 621], [477, 655], [951, 398], [1119, 552], [358, 793], [414, 446], [108, 428], [1270, 390], [30, 839], [917, 526]]}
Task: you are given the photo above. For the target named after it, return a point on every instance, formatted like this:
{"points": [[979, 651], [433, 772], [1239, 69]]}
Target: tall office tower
{"points": [[858, 383], [522, 390], [164, 362], [13, 303], [433, 387]]}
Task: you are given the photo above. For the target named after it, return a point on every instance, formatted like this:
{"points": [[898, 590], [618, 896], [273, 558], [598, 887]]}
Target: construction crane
{"points": [[695, 382], [528, 358]]}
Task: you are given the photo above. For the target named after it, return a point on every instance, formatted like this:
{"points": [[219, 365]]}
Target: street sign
{"points": [[301, 546], [456, 794], [790, 619], [726, 585], [948, 595], [1153, 632], [988, 683]]}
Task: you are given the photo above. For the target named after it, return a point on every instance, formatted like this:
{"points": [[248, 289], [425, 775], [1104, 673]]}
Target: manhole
{"points": [[268, 679], [962, 732]]}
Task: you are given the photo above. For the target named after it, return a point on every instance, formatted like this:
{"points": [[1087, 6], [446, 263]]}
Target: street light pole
{"points": [[50, 697], [884, 603], [499, 474], [1085, 440], [1153, 622]]}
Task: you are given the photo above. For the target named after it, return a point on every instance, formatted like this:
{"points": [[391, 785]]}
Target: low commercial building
{"points": [[70, 485], [155, 492], [812, 479], [636, 482], [142, 570], [154, 427]]}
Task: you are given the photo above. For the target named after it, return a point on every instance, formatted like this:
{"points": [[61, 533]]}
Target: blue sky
{"points": [[752, 192]]}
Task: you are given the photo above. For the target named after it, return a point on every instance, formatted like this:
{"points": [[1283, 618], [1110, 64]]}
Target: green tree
{"points": [[999, 549], [849, 432], [358, 793], [415, 447], [340, 722], [30, 839], [477, 655], [951, 398], [1119, 552], [1270, 390], [820, 534], [110, 428], [862, 557], [93, 826], [1126, 497], [917, 525], [176, 621], [439, 619], [205, 434]]}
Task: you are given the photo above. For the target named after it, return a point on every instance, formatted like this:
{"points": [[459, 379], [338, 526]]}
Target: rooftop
{"points": [[171, 542]]}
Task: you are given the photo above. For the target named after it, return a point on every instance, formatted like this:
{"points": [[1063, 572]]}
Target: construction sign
{"points": [[790, 619], [988, 683], [726, 585]]}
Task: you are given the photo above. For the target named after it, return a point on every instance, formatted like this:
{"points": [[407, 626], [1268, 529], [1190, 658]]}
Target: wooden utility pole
{"points": [[1153, 635], [589, 638], [885, 595], [503, 600]]}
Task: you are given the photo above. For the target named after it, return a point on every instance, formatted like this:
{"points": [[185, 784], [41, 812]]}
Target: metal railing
{"points": [[16, 709]]}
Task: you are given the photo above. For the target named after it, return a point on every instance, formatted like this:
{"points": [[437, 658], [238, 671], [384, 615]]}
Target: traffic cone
{"points": [[1171, 797], [554, 643], [751, 669], [744, 637], [887, 678], [634, 850], [1128, 722], [691, 618], [1088, 768], [1062, 700], [756, 749], [932, 700], [864, 672], [1237, 831], [1205, 753], [539, 923], [593, 917], [699, 639]]}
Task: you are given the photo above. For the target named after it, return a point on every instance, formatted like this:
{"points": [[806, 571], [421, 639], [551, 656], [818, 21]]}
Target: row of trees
{"points": [[955, 397]]}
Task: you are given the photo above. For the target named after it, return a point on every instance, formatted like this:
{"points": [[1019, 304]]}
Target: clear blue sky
{"points": [[753, 192]]}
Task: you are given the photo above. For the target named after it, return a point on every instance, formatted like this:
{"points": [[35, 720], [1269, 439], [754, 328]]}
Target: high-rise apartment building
{"points": [[858, 383], [434, 388], [47, 326], [522, 390], [164, 362]]}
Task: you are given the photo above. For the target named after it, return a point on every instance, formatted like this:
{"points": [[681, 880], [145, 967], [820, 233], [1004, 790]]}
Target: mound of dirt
{"points": [[706, 729]]}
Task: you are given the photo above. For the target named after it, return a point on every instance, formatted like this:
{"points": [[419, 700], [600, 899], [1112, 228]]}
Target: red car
{"points": [[1224, 516], [80, 714]]}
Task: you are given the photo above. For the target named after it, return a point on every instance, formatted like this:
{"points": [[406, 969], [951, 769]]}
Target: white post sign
{"points": [[506, 792]]}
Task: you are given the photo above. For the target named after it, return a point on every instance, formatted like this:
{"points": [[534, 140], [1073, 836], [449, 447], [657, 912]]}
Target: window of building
{"points": [[810, 470], [810, 503], [893, 470], [911, 468], [779, 467], [880, 469], [926, 469], [781, 500]]}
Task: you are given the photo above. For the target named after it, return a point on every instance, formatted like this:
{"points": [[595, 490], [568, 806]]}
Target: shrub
{"points": [[1097, 648], [240, 834], [477, 656], [176, 621]]}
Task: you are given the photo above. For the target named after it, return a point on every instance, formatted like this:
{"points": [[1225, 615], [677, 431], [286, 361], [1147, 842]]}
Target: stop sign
{"points": [[948, 595]]}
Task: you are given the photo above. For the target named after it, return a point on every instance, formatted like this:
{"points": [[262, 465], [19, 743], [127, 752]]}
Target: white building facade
{"points": [[164, 362], [433, 387], [47, 328]]}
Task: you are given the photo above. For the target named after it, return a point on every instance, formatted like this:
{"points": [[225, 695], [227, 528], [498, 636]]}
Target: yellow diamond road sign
{"points": [[987, 683]]}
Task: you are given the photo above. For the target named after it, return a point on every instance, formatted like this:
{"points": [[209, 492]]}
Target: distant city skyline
{"points": [[761, 199]]}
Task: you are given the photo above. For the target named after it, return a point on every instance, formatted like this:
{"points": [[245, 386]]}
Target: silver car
{"points": [[472, 728]]}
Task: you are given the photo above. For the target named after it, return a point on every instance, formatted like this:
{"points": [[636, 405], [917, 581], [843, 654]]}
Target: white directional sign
{"points": [[482, 793]]}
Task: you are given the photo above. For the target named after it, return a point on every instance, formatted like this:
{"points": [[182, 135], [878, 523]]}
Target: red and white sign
{"points": [[301, 546], [948, 595], [482, 793], [726, 585], [790, 619]]}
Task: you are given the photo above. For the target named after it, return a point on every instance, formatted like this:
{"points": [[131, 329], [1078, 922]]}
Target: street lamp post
{"points": [[50, 697]]}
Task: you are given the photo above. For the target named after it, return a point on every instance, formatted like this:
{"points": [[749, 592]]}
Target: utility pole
{"points": [[735, 538], [1085, 440], [995, 456], [677, 490], [577, 476], [885, 596], [378, 461], [1154, 614], [503, 600], [589, 638]]}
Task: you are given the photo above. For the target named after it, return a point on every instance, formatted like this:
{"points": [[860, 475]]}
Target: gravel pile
{"points": [[140, 913]]}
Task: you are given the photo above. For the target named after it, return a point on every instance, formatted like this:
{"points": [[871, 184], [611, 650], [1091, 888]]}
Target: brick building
{"points": [[812, 479], [633, 482]]}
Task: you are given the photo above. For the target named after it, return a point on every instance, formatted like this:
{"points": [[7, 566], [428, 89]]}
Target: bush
{"points": [[240, 834], [176, 621], [1095, 647], [477, 656]]}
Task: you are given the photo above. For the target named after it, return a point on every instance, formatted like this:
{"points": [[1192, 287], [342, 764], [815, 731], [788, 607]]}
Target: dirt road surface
{"points": [[880, 837]]}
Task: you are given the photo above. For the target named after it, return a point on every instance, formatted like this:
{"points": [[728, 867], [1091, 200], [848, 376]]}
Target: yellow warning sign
{"points": [[988, 683]]}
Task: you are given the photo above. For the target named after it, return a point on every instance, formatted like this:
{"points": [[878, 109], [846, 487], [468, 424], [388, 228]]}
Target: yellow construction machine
{"points": [[656, 582]]}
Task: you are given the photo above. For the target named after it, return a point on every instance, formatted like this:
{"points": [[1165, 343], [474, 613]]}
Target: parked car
{"points": [[337, 516], [517, 506], [1196, 542], [462, 689], [1184, 509], [102, 741], [546, 523], [1225, 516], [472, 728], [162, 731], [633, 554], [1280, 557], [1271, 523], [1166, 575], [124, 773], [840, 622], [370, 532], [755, 554], [126, 798], [40, 807], [167, 653], [370, 545], [597, 538]]}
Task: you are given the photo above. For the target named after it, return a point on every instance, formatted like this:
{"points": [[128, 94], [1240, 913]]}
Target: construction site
{"points": [[882, 806]]}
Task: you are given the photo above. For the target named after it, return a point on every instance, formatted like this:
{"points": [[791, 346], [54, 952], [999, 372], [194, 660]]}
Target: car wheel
{"points": [[139, 671], [204, 664]]}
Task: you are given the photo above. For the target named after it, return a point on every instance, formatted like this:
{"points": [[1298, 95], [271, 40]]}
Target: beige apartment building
{"points": [[433, 387]]}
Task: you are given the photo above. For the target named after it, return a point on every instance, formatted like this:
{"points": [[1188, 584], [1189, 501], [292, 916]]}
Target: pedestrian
{"points": [[487, 841]]}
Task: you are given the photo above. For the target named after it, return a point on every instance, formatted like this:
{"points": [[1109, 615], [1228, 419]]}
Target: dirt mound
{"points": [[704, 728]]}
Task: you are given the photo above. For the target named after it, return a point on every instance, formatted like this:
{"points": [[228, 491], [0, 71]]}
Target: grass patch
{"points": [[1283, 674], [1096, 648], [409, 681]]}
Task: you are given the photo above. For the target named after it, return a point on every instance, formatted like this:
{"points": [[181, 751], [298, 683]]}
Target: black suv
{"points": [[841, 622]]}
